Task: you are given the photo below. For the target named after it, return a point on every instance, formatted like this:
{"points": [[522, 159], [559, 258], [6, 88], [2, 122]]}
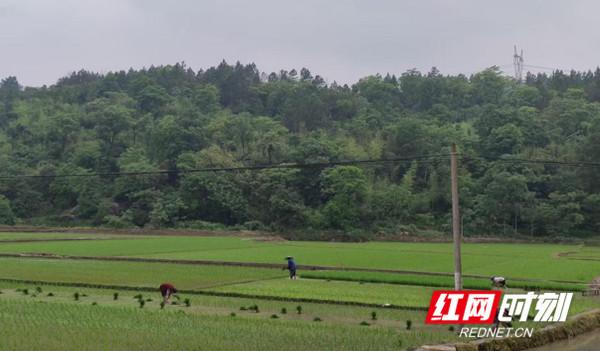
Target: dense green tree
{"points": [[346, 190], [6, 214], [176, 120]]}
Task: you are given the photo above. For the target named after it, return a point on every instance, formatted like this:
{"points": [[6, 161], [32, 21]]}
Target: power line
{"points": [[544, 68], [425, 158], [542, 162]]}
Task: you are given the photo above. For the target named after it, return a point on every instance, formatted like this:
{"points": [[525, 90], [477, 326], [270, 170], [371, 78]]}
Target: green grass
{"points": [[533, 261], [588, 252], [129, 273], [37, 321], [134, 246], [34, 326], [433, 280], [44, 324], [199, 277], [45, 236], [408, 296], [218, 305]]}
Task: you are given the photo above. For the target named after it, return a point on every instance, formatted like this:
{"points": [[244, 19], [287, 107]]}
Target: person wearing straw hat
{"points": [[291, 266]]}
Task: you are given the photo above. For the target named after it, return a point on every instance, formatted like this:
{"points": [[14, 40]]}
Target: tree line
{"points": [[174, 118]]}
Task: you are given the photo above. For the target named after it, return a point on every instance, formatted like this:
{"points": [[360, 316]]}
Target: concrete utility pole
{"points": [[456, 233]]}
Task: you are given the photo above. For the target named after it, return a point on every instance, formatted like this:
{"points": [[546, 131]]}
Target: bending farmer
{"points": [[167, 290]]}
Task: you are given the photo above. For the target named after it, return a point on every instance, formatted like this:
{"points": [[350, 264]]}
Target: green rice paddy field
{"points": [[336, 304]]}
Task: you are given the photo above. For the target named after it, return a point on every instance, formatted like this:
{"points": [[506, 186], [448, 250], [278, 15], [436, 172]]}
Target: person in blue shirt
{"points": [[291, 266]]}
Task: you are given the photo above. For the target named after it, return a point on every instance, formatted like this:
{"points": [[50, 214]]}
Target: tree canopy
{"points": [[174, 118]]}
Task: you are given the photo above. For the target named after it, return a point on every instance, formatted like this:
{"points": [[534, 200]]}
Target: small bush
{"points": [[142, 303], [254, 308], [274, 316], [451, 328], [138, 297], [94, 303], [299, 309], [83, 295], [174, 303], [408, 324], [116, 296], [25, 291], [76, 296], [149, 300], [38, 289], [232, 314], [284, 310], [50, 294], [365, 323], [162, 305], [243, 308], [373, 316], [187, 302], [317, 319]]}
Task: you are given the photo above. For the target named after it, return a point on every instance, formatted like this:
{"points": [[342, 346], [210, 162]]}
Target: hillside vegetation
{"points": [[174, 118]]}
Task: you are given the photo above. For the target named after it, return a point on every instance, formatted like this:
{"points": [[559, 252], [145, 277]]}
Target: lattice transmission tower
{"points": [[518, 63]]}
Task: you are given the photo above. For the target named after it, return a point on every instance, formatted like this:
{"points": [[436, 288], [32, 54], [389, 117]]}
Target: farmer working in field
{"points": [[498, 282], [498, 323], [291, 266], [167, 290]]}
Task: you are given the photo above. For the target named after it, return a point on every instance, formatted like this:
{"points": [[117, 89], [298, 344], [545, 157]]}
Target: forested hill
{"points": [[173, 118]]}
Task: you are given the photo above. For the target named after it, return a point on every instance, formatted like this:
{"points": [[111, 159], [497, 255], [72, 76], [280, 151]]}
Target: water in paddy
{"points": [[585, 342]]}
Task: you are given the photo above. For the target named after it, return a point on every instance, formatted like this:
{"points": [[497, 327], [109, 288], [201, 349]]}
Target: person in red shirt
{"points": [[166, 290]]}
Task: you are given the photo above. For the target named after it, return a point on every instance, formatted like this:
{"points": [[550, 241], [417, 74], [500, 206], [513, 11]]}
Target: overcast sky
{"points": [[343, 40]]}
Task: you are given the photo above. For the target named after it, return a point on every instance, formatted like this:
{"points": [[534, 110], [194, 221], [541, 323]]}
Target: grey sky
{"points": [[343, 40]]}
